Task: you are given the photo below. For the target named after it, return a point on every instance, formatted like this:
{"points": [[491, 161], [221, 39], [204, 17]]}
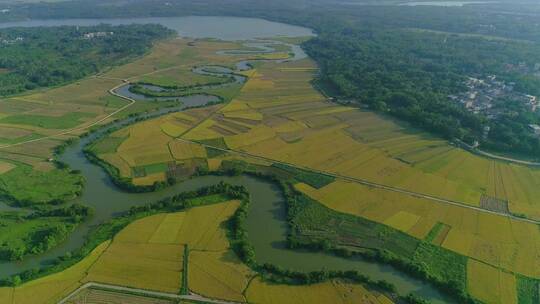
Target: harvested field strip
{"points": [[289, 108], [222, 131], [245, 121], [238, 128], [424, 154]]}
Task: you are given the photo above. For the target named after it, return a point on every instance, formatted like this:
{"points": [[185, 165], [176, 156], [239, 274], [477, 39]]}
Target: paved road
{"points": [[494, 156], [143, 292], [371, 184]]}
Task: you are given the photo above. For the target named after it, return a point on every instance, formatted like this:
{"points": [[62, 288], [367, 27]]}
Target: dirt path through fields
{"points": [[370, 184], [143, 292]]}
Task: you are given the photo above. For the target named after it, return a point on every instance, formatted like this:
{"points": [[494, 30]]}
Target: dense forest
{"points": [[41, 57]]}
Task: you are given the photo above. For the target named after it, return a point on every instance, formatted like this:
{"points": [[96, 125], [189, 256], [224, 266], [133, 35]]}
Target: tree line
{"points": [[33, 58]]}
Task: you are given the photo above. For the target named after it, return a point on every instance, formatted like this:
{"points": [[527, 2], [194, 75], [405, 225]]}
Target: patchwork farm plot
{"points": [[279, 116], [282, 110], [36, 119], [45, 114], [149, 255], [276, 117]]}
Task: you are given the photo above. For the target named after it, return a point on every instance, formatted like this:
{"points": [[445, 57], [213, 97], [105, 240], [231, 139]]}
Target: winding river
{"points": [[266, 223]]}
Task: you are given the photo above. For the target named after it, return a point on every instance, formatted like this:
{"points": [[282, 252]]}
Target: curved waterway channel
{"points": [[266, 223]]}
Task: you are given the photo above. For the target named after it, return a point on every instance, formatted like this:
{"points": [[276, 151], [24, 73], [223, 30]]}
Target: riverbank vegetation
{"points": [[154, 89], [317, 228], [29, 174], [22, 186], [164, 235], [24, 233]]}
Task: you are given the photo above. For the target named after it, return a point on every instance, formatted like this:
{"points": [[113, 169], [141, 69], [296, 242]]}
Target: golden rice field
{"points": [[495, 242], [150, 143], [278, 115], [214, 271], [52, 288], [98, 296], [489, 284], [169, 61], [288, 121], [218, 275], [152, 266], [148, 254], [281, 110], [49, 112], [334, 291]]}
